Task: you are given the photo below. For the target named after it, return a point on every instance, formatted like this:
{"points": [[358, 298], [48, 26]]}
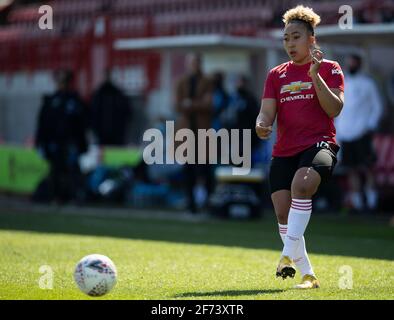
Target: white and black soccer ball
{"points": [[95, 275]]}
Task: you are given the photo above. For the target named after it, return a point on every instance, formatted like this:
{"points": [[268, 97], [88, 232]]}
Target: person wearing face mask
{"points": [[355, 127]]}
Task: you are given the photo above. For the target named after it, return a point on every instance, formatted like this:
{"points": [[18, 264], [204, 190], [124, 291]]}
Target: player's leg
{"points": [[304, 185], [282, 200], [316, 164], [281, 174]]}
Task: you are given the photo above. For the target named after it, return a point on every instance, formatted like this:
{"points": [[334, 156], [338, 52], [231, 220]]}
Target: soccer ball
{"points": [[95, 275]]}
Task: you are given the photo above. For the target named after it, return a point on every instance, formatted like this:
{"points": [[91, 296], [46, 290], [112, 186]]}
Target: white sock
{"points": [[299, 215], [282, 231], [301, 259]]}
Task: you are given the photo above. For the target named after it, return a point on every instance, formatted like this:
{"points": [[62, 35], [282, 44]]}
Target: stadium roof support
{"points": [[196, 42]]}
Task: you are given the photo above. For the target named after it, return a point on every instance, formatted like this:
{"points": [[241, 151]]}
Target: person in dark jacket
{"points": [[220, 99], [61, 137], [240, 112], [110, 114]]}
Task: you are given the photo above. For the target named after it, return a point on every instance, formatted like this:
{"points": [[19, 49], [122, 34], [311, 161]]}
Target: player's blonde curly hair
{"points": [[301, 13]]}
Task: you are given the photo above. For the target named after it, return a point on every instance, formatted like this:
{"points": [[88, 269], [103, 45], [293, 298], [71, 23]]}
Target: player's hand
{"points": [[317, 58], [263, 131]]}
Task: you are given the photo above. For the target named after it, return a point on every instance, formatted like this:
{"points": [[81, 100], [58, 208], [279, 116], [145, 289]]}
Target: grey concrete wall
{"points": [[20, 100]]}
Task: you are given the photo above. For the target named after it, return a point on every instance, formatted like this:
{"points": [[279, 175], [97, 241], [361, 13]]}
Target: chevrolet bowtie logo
{"points": [[296, 87]]}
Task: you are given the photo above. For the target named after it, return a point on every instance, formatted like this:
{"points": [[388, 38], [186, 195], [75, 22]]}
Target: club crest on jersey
{"points": [[296, 87], [336, 71]]}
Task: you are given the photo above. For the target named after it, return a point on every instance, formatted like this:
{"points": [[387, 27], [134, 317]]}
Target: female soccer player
{"points": [[304, 95]]}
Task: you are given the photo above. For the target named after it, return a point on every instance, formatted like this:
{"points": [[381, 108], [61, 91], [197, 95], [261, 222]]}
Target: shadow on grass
{"points": [[229, 293], [325, 235]]}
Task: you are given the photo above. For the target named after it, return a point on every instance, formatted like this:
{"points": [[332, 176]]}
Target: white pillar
{"points": [[271, 59]]}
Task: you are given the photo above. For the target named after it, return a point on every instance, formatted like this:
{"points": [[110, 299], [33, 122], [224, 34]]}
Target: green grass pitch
{"points": [[175, 259]]}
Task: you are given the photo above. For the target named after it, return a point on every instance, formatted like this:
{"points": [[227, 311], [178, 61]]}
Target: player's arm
{"points": [[266, 118], [330, 99]]}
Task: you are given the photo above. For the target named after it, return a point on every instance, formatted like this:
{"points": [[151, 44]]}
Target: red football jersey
{"points": [[301, 120]]}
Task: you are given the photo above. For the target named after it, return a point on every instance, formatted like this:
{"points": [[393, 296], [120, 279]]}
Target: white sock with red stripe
{"points": [[299, 215], [301, 259], [282, 231]]}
